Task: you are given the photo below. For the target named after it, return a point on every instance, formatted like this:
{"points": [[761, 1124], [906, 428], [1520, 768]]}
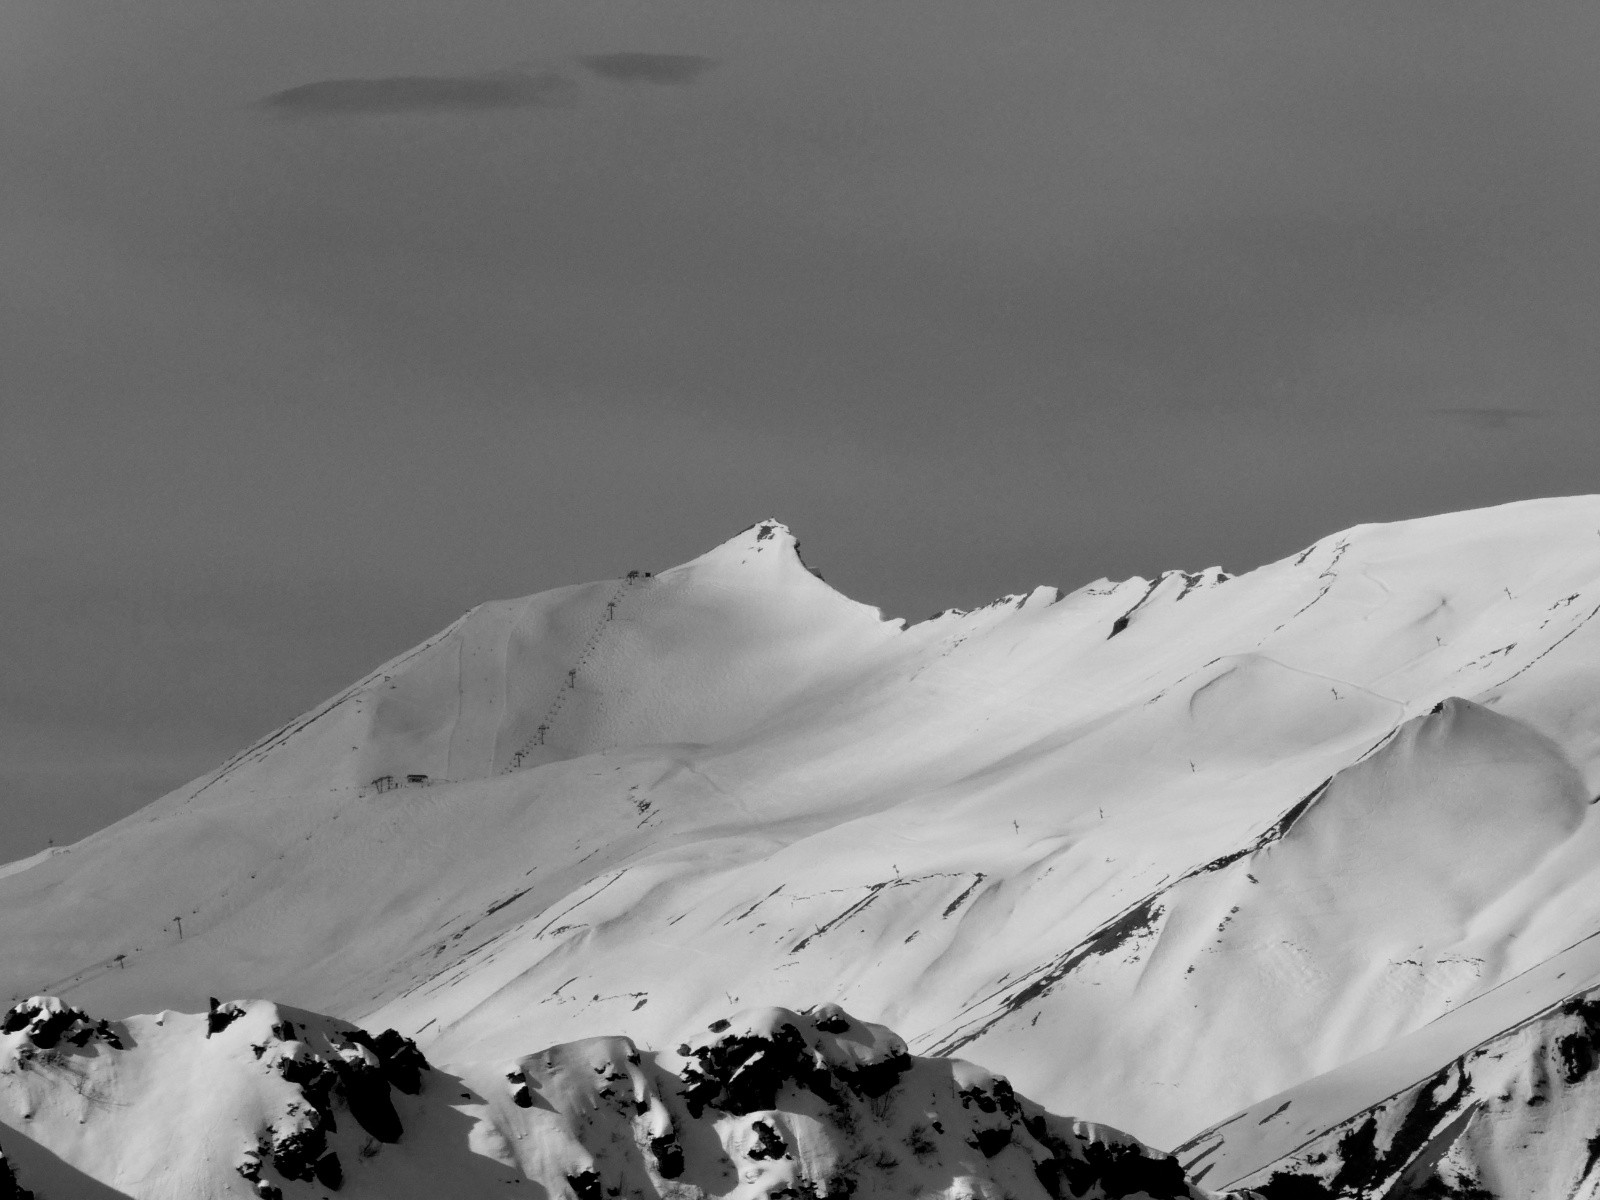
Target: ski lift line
{"points": [[259, 749], [570, 681]]}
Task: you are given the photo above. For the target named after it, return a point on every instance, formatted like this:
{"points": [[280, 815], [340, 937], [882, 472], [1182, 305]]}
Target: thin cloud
{"points": [[1488, 418], [423, 93], [636, 67]]}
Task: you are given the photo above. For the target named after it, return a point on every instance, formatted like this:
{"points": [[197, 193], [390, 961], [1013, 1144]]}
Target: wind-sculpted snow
{"points": [[1155, 849]]}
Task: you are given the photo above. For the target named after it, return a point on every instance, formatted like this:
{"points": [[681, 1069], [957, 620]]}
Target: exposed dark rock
{"points": [[742, 1074], [1361, 1164], [1000, 1098], [991, 1141], [315, 1079], [399, 1059], [360, 1074], [668, 1155], [46, 1022], [1580, 1051], [362, 1085], [1121, 623], [877, 1079], [1593, 1147], [1120, 1169], [1286, 1185], [1132, 1171], [768, 1063], [366, 1091], [833, 1022], [295, 1155], [250, 1170], [1436, 1188], [1424, 1116], [769, 1144], [1358, 1156], [330, 1172], [10, 1189], [45, 1030], [219, 1016]]}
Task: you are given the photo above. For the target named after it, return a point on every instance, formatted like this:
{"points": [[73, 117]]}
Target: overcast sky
{"points": [[321, 322]]}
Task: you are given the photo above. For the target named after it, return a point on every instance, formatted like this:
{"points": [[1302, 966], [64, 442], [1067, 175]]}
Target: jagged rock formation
{"points": [[279, 1103], [245, 1099], [779, 1104], [43, 1022], [10, 1189]]}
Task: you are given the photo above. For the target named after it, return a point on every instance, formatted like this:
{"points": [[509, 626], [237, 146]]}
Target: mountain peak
{"points": [[762, 538]]}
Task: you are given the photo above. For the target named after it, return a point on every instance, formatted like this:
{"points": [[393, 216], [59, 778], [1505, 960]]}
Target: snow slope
{"points": [[1156, 850], [254, 1100], [1517, 1115]]}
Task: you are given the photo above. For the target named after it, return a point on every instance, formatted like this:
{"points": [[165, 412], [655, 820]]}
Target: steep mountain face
{"points": [[1156, 851], [1407, 882], [1518, 1115], [698, 655]]}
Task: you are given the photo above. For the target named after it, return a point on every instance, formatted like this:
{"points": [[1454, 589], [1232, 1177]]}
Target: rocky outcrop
{"points": [[802, 1106], [150, 1098], [339, 1069], [1515, 1115], [45, 1022], [10, 1189]]}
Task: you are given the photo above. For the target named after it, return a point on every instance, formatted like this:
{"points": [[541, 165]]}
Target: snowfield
{"points": [[1314, 845]]}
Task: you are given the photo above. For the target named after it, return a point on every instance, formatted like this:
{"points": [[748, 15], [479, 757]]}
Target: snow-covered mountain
{"points": [[1516, 1115], [1156, 852], [257, 1099]]}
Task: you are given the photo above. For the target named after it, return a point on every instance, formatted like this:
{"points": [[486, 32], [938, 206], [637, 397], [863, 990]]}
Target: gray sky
{"points": [[320, 323]]}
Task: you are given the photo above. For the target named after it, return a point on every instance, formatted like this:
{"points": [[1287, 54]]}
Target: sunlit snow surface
{"points": [[1156, 851], [253, 1099]]}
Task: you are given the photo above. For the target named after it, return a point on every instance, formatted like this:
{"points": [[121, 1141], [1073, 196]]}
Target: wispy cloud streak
{"points": [[631, 66], [423, 93]]}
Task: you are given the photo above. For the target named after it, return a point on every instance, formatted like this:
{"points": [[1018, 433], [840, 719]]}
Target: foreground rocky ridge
{"points": [[1516, 1116], [254, 1099], [161, 1104]]}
